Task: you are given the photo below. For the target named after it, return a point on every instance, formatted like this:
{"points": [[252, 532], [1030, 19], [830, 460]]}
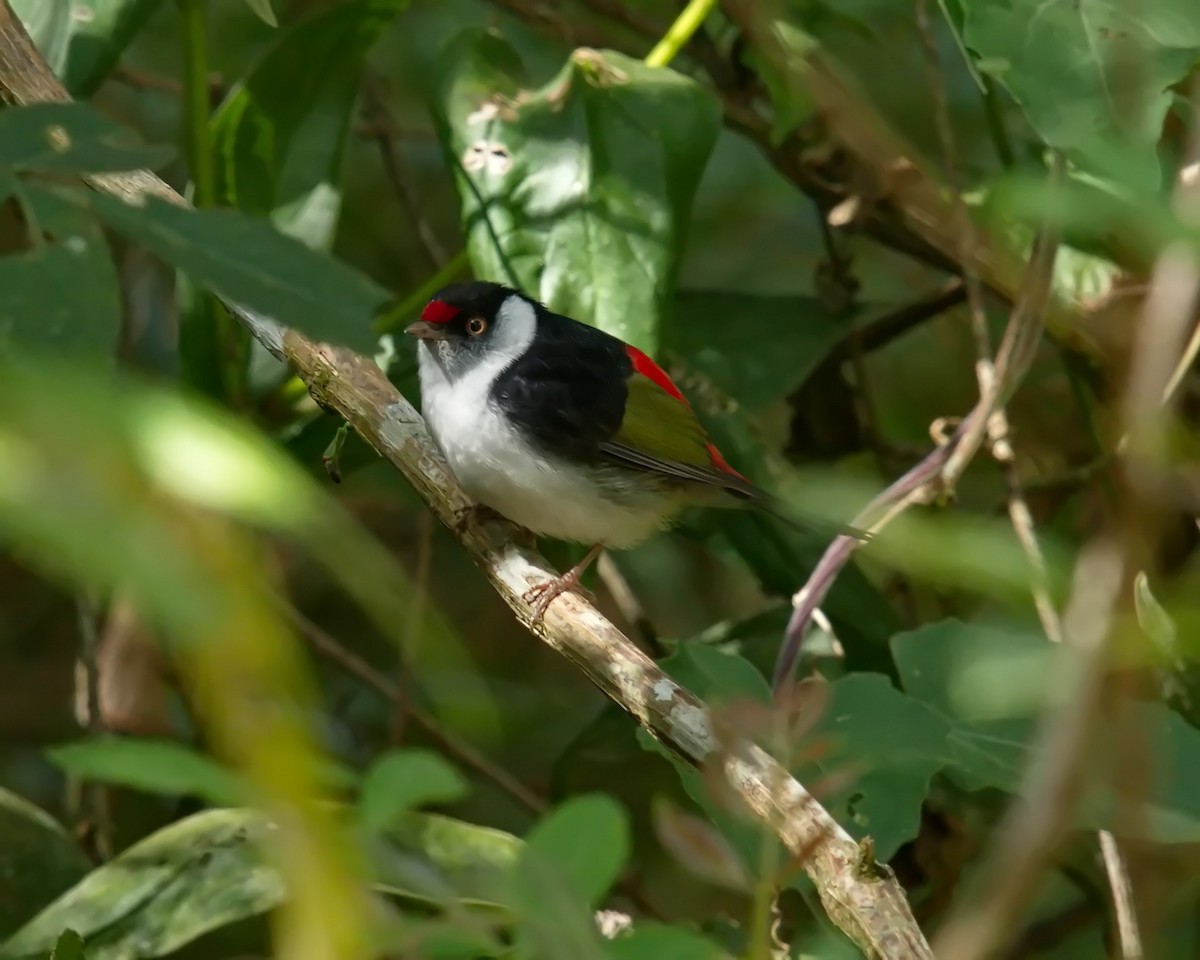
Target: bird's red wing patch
{"points": [[721, 463], [643, 365], [438, 311], [646, 367]]}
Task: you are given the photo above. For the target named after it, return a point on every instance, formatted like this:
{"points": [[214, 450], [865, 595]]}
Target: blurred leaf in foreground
{"points": [[587, 840], [160, 766], [579, 192], [249, 261], [62, 294], [193, 876], [38, 861], [403, 780], [71, 138]]}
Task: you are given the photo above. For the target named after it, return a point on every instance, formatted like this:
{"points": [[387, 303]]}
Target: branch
{"points": [[868, 905], [940, 470], [1056, 779]]}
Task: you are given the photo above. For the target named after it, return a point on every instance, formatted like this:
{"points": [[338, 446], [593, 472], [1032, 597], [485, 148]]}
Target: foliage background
{"points": [[787, 339]]}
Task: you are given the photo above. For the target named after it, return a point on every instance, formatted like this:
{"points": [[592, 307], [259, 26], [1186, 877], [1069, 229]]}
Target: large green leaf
{"points": [[889, 746], [1092, 75], [82, 40], [430, 857], [989, 686], [581, 191], [879, 746], [755, 348], [165, 891], [249, 261], [38, 861], [280, 135], [62, 295], [70, 138]]}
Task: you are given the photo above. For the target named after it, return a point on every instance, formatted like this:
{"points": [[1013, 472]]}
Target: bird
{"points": [[562, 428]]}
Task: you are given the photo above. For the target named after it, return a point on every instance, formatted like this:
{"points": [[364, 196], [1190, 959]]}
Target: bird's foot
{"points": [[541, 595]]}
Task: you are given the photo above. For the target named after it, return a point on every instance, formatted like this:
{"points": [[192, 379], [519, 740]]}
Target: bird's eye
{"points": [[476, 326]]}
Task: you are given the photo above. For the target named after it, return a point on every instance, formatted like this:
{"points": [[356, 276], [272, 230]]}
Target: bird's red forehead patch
{"points": [[438, 311]]}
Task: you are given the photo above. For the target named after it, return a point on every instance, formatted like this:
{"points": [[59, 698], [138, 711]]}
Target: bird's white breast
{"points": [[498, 467]]}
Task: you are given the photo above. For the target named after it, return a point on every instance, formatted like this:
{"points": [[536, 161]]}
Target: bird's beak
{"points": [[424, 330]]}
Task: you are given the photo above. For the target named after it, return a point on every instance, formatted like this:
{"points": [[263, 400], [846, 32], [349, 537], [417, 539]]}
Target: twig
{"points": [[382, 128], [89, 646], [416, 613], [966, 234], [328, 647], [628, 603], [881, 331], [869, 906], [940, 470], [140, 80], [1056, 778], [1128, 931], [676, 38]]}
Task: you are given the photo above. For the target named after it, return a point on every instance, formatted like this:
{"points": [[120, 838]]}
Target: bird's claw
{"points": [[541, 595]]}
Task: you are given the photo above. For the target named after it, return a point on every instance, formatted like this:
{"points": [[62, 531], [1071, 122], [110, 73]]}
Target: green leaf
{"points": [[165, 891], [250, 262], [430, 857], [403, 780], [652, 941], [551, 919], [69, 947], [71, 138], [989, 686], [61, 296], [156, 766], [758, 349], [280, 136], [82, 40], [38, 861], [579, 192], [587, 840], [890, 745], [716, 677], [1068, 65]]}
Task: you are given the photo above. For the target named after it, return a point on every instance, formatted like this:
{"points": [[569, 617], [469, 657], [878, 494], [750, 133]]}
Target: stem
{"points": [[995, 122], [214, 350], [195, 83], [688, 22]]}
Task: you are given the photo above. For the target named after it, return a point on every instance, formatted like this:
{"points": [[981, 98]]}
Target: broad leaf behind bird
{"points": [[562, 428]]}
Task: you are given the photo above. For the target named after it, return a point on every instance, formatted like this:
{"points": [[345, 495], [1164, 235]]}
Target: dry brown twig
{"points": [[869, 906], [1056, 779]]}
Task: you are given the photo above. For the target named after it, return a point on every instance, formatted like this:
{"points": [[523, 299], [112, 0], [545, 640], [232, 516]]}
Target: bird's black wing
{"points": [[568, 392]]}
